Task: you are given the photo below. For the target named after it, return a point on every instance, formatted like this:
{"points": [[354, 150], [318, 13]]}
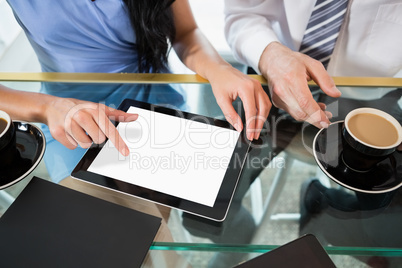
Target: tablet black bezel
{"points": [[217, 212]]}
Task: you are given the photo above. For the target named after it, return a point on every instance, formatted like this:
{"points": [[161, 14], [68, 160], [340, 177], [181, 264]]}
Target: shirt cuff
{"points": [[255, 46]]}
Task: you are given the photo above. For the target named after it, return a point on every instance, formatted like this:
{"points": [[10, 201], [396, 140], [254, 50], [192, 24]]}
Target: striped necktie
{"points": [[323, 29]]}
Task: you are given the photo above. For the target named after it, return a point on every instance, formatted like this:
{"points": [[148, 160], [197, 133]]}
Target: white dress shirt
{"points": [[369, 42]]}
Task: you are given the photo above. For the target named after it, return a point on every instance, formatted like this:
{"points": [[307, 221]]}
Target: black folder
{"points": [[303, 252], [49, 225]]}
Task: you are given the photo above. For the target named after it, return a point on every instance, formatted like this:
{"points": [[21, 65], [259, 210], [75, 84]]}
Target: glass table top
{"points": [[282, 193]]}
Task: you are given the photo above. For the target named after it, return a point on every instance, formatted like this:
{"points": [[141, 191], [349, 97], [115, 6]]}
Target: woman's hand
{"points": [[74, 122], [229, 83]]}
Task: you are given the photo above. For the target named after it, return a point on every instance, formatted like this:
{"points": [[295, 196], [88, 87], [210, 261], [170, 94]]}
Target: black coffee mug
{"points": [[8, 147], [360, 155]]}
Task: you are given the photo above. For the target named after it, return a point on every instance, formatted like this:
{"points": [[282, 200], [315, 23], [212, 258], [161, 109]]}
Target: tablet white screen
{"points": [[169, 154]]}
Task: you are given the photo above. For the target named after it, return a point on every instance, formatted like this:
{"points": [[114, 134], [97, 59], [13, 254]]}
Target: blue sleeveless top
{"points": [[85, 36]]}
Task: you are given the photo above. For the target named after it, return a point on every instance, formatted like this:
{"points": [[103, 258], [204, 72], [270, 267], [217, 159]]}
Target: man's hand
{"points": [[287, 73]]}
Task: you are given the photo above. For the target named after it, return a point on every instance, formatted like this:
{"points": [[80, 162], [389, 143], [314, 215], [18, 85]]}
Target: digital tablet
{"points": [[303, 252], [178, 159]]}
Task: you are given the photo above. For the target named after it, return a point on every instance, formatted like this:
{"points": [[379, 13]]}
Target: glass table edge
{"points": [[165, 78], [247, 248]]}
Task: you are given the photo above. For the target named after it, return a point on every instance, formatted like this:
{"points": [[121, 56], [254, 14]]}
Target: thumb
{"points": [[120, 116], [318, 73]]}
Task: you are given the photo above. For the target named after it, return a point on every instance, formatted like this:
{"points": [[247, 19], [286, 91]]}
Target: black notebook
{"points": [[49, 225]]}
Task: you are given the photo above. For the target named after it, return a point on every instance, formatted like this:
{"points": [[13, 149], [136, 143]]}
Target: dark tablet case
{"points": [[303, 252], [49, 225]]}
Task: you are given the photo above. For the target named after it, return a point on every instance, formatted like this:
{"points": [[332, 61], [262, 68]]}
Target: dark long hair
{"points": [[154, 27]]}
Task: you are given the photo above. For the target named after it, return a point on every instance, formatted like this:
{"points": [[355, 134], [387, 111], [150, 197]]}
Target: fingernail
{"points": [[74, 142], [335, 89], [324, 124], [237, 127], [132, 117], [126, 151], [250, 136]]}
